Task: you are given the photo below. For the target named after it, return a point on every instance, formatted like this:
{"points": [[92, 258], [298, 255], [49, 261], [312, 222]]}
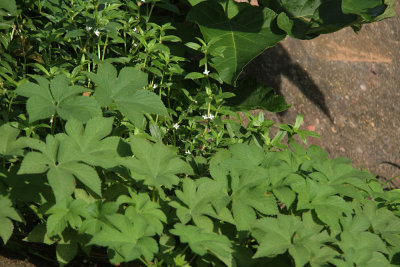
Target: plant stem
{"points": [[104, 48]]}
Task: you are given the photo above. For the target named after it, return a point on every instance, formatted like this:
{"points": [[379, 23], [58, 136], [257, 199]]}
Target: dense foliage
{"points": [[125, 129]]}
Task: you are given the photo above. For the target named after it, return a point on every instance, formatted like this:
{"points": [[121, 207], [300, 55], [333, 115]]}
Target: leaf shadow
{"points": [[274, 63]]}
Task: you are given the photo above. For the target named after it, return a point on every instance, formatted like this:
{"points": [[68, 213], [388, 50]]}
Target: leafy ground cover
{"points": [[121, 133]]}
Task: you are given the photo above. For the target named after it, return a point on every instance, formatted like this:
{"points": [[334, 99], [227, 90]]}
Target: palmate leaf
{"points": [[7, 213], [64, 157], [141, 205], [90, 144], [155, 164], [321, 198], [197, 202], [201, 242], [68, 211], [305, 240], [127, 92], [96, 219], [244, 36], [45, 99], [126, 239], [248, 190], [9, 145]]}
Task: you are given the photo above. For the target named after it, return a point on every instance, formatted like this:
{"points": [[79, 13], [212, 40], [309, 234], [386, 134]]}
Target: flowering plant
{"points": [[121, 136]]}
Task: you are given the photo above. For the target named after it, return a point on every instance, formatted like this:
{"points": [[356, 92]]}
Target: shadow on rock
{"points": [[275, 63]]}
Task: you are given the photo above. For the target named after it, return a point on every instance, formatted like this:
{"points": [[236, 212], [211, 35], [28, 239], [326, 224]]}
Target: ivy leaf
{"points": [[155, 164], [201, 242], [126, 91], [9, 145], [126, 240], [251, 27], [141, 205], [7, 213], [45, 99]]}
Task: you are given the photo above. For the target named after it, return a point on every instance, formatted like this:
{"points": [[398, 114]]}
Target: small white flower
{"points": [[97, 32], [135, 44], [211, 117], [176, 126], [206, 72], [52, 119], [8, 14], [143, 1], [89, 28], [188, 152], [134, 29], [195, 101], [155, 86]]}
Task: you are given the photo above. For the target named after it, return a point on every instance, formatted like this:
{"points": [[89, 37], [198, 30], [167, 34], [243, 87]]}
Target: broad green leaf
{"points": [[68, 212], [127, 92], [197, 202], [66, 252], [128, 239], [96, 219], [252, 95], [201, 242], [10, 6], [274, 234], [367, 9], [141, 205], [9, 145], [90, 144], [62, 158], [155, 164], [7, 213], [46, 99], [244, 37]]}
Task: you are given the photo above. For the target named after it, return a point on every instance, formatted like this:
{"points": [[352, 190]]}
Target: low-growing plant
{"points": [[126, 130]]}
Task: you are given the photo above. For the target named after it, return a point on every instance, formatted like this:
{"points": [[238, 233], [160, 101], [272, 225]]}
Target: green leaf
{"points": [[9, 6], [252, 95], [66, 252], [90, 144], [96, 219], [202, 242], [197, 202], [127, 239], [9, 145], [62, 157], [251, 27], [274, 234], [127, 92], [57, 97], [66, 212], [366, 9], [141, 205], [7, 213], [155, 164]]}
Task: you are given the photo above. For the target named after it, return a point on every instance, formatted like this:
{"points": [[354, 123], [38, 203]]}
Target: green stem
{"points": [[104, 48], [144, 262]]}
